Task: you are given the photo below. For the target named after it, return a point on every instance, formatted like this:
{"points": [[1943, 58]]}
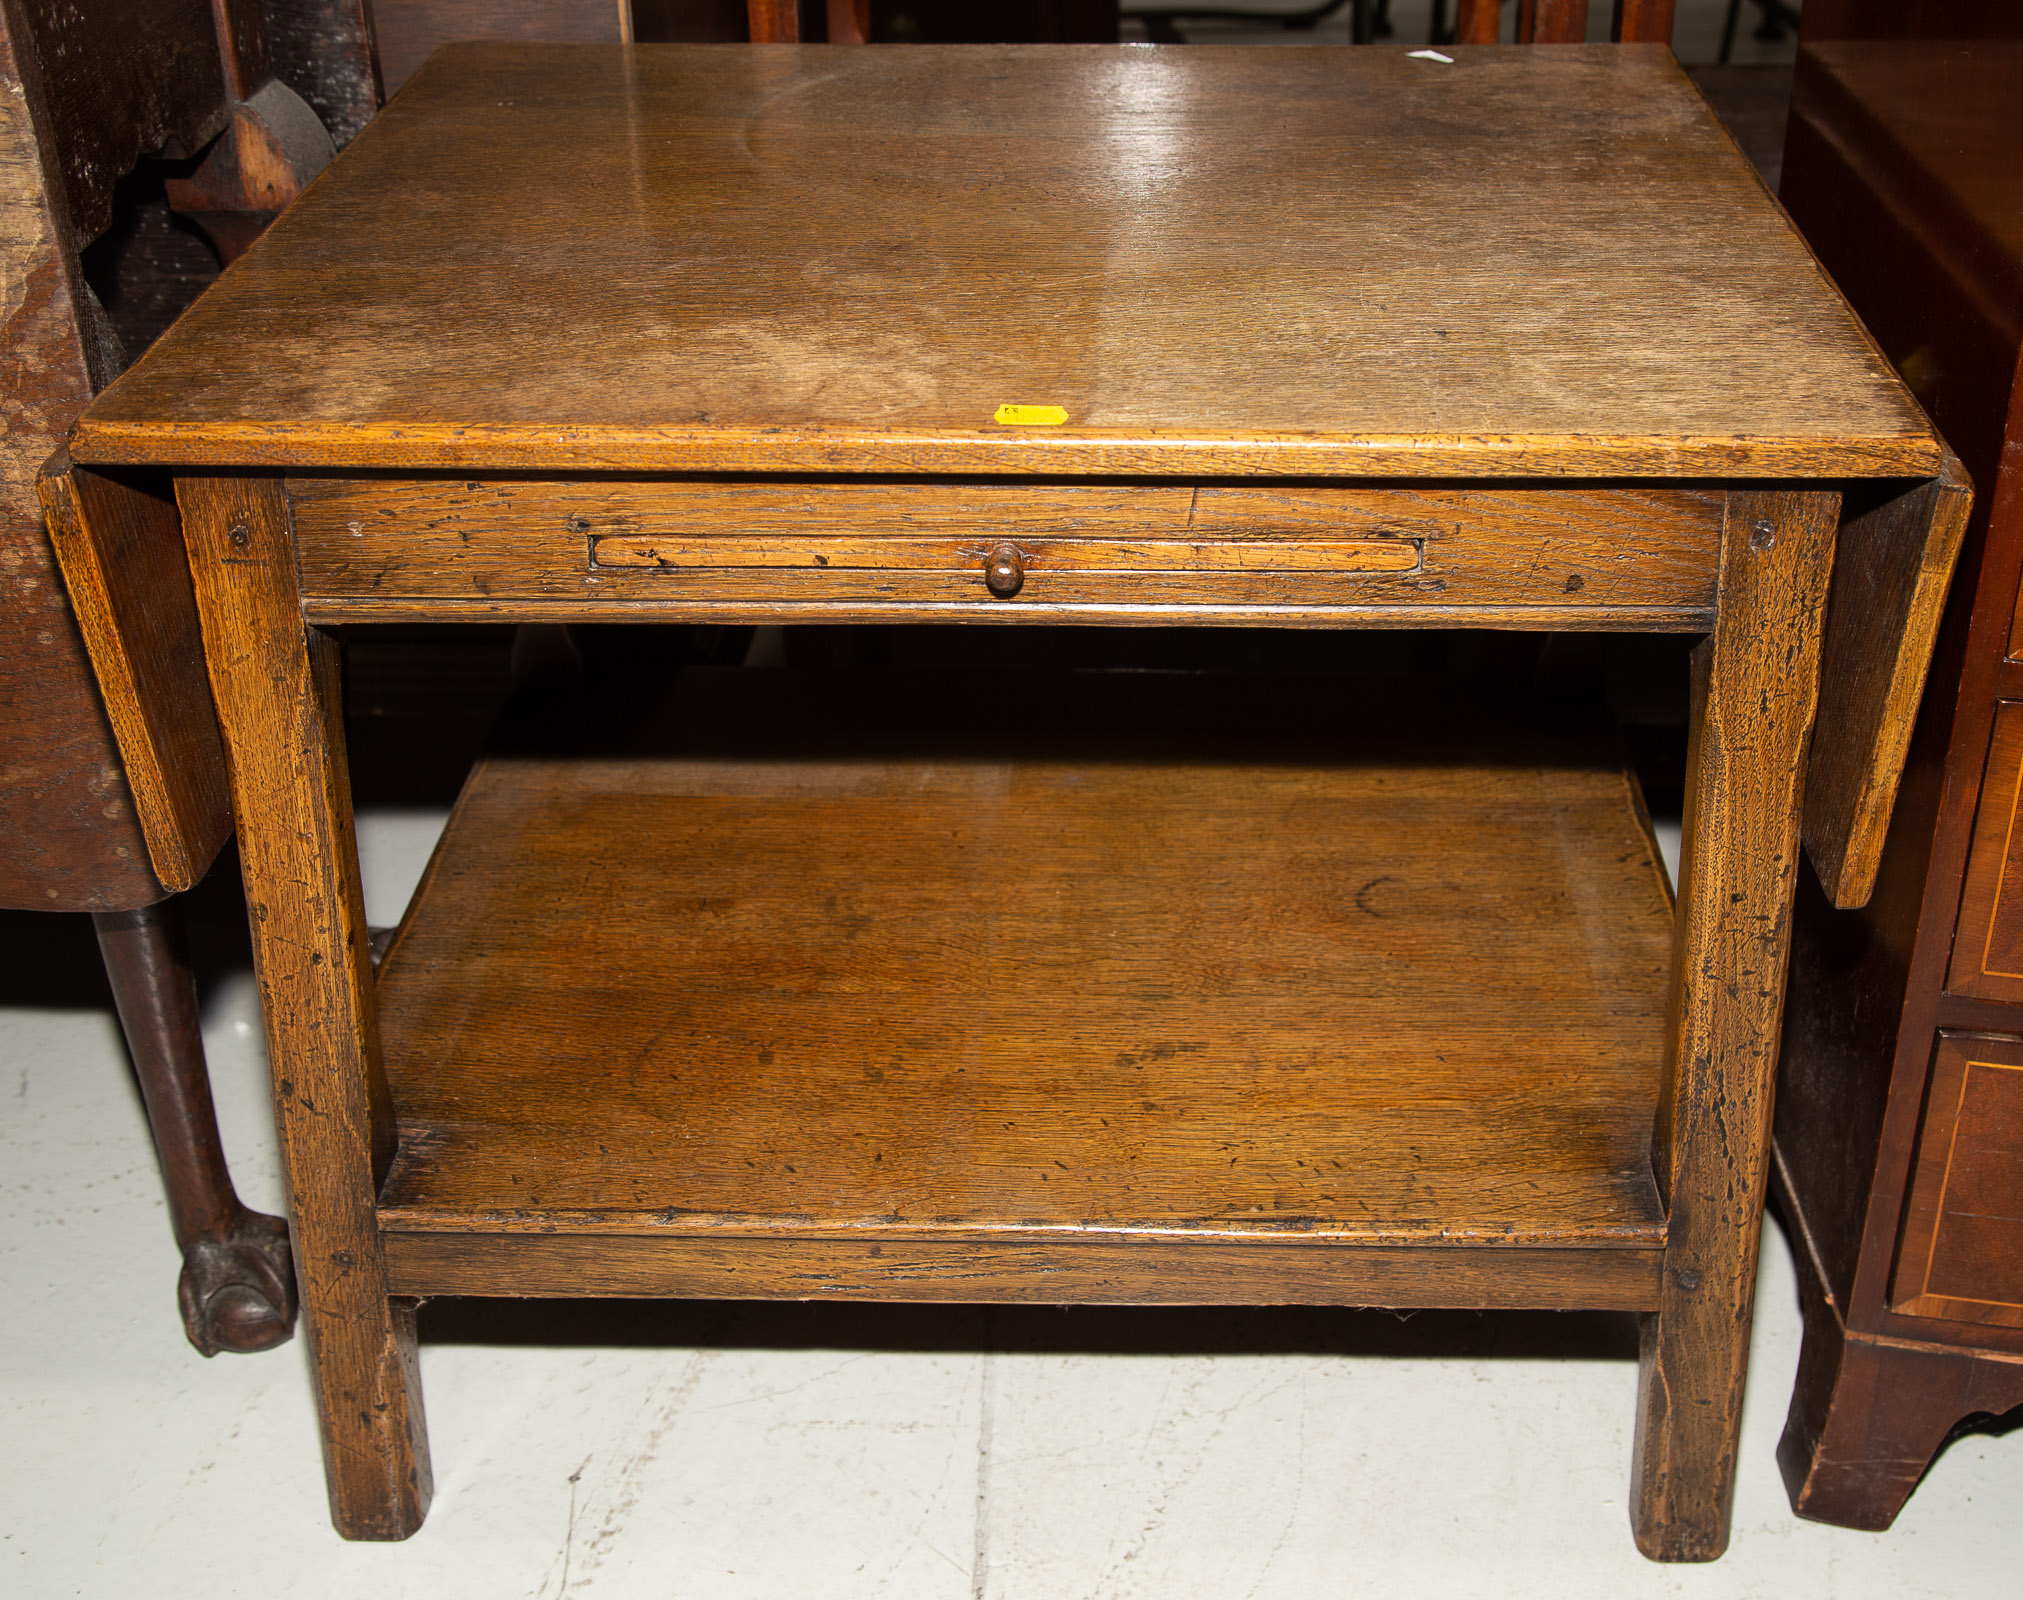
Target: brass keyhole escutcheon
{"points": [[1004, 569]]}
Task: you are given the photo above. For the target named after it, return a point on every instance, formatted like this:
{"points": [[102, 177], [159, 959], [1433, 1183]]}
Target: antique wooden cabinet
{"points": [[1899, 1127]]}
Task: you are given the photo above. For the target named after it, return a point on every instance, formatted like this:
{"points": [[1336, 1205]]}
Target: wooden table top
{"points": [[1227, 261]]}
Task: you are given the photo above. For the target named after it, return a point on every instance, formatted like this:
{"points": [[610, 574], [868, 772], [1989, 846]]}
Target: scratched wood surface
{"points": [[818, 979], [278, 708], [1226, 261], [1755, 691], [70, 837], [1066, 1268], [121, 549], [1893, 567]]}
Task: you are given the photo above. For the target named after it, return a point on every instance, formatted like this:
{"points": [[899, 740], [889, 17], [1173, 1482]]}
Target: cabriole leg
{"points": [[1756, 685], [276, 686], [238, 1287]]}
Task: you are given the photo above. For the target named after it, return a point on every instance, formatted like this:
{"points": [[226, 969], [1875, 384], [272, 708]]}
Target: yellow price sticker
{"points": [[1031, 416]]}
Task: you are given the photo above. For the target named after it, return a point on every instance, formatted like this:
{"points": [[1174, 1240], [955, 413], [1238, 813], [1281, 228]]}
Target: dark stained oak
{"points": [[1894, 1139], [1868, 1414], [861, 255], [73, 836], [112, 784], [1641, 21], [1552, 21], [1988, 946], [122, 79], [237, 1288], [1078, 968], [1962, 1252]]}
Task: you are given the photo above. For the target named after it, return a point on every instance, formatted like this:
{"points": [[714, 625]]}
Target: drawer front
{"points": [[1962, 1252], [1988, 943], [829, 549]]}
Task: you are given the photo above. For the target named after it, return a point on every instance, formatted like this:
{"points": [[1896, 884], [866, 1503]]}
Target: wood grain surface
{"points": [[1869, 1413], [122, 79], [120, 544], [1892, 568], [276, 685], [812, 258], [1962, 1252], [1071, 966], [407, 32], [1140, 1269], [1756, 691], [1175, 552], [1988, 947], [70, 836], [1900, 168]]}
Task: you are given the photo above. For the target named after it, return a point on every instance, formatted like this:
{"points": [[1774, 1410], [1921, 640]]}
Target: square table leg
{"points": [[276, 685], [1756, 687]]}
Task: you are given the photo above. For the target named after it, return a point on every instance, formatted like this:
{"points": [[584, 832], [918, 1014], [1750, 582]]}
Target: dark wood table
{"points": [[940, 991]]}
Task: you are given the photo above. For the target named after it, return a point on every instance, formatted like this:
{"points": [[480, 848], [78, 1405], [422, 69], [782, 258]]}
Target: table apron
{"points": [[833, 550]]}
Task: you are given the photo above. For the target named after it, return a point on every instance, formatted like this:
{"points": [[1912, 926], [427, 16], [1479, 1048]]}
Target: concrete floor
{"points": [[752, 1450]]}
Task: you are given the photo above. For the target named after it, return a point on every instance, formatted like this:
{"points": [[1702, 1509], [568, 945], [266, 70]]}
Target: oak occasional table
{"points": [[1395, 1010]]}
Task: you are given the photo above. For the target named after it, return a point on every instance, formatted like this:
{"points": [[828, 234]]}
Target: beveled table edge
{"points": [[259, 447]]}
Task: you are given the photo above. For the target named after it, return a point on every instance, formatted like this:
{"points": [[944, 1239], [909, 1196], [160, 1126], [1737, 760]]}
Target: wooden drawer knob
{"points": [[1004, 569]]}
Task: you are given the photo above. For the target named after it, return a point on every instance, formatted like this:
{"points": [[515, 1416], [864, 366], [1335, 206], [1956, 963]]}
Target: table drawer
{"points": [[829, 549], [1962, 1252]]}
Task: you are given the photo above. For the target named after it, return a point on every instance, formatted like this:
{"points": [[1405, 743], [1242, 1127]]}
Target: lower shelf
{"points": [[1098, 1005]]}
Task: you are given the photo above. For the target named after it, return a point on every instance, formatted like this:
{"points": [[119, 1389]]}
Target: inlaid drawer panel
{"points": [[857, 547], [1988, 945], [1962, 1253]]}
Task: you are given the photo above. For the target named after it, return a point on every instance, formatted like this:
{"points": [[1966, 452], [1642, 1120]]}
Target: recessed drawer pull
{"points": [[725, 553], [1500, 554]]}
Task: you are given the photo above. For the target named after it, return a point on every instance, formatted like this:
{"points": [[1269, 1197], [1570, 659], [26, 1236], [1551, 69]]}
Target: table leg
{"points": [[1756, 685], [278, 703], [237, 1285]]}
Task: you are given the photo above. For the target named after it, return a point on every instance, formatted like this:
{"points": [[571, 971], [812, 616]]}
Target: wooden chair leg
{"points": [[238, 1284], [275, 682], [1756, 687]]}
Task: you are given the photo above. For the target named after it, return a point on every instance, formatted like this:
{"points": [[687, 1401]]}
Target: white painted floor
{"points": [[845, 1451]]}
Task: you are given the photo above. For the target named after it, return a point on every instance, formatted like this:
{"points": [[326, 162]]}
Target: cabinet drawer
{"points": [[1988, 942], [830, 549], [1962, 1252]]}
